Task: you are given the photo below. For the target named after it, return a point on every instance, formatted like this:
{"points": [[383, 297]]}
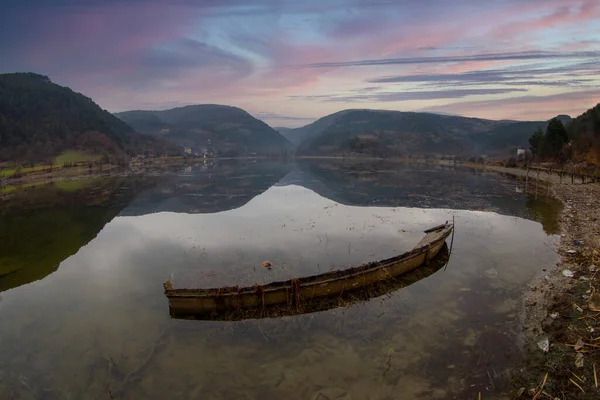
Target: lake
{"points": [[83, 314]]}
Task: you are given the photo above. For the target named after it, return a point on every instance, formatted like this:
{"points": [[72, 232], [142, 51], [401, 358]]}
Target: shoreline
{"points": [[48, 174], [561, 307]]}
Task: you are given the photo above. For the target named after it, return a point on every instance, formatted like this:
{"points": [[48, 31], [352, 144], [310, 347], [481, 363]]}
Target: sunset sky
{"points": [[290, 62]]}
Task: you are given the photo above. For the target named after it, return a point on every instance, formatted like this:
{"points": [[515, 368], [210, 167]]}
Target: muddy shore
{"points": [[561, 313]]}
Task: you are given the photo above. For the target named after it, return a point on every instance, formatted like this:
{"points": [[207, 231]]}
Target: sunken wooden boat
{"points": [[294, 293]]}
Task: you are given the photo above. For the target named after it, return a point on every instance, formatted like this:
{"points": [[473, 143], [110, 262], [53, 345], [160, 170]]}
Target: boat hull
{"points": [[296, 292]]}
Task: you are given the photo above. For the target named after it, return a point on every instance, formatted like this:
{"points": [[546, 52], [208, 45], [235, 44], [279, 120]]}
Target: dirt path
{"points": [[562, 308]]}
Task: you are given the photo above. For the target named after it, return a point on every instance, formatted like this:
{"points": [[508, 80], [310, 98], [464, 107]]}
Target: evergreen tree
{"points": [[555, 138], [535, 142]]}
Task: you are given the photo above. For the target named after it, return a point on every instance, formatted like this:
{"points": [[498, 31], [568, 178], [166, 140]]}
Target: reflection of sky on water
{"points": [[102, 319], [299, 231]]}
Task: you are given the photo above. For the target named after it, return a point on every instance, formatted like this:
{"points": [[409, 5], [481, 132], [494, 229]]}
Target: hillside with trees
{"points": [[578, 140], [40, 119], [210, 128], [585, 133], [396, 133]]}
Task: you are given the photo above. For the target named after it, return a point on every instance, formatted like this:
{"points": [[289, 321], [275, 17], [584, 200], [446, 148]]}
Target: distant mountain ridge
{"points": [[209, 127], [40, 119], [386, 133]]}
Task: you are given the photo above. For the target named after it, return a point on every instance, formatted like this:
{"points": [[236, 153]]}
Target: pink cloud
{"points": [[574, 13], [525, 107]]}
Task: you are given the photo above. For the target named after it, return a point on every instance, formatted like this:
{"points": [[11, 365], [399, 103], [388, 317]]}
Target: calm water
{"points": [[82, 313]]}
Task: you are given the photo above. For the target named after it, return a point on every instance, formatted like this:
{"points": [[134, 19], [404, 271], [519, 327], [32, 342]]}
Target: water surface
{"points": [[82, 313]]}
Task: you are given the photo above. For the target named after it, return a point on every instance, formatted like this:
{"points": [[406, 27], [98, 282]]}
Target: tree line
{"points": [[550, 144], [578, 141]]}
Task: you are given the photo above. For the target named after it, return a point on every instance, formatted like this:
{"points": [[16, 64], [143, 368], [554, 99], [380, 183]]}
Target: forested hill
{"points": [[585, 133], [214, 128], [396, 133], [40, 119]]}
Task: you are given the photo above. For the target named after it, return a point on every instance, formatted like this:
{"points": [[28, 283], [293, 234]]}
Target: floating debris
{"points": [[554, 315], [572, 251], [579, 360], [267, 264]]}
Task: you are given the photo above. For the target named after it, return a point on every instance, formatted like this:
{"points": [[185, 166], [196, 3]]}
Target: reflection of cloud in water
{"points": [[313, 236], [102, 318]]}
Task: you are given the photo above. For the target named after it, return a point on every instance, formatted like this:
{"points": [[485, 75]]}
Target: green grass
{"points": [[73, 156], [68, 156], [34, 169], [7, 173]]}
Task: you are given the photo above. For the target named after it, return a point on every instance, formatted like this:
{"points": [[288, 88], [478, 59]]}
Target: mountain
{"points": [[40, 119], [385, 133], [283, 131], [507, 135], [209, 127], [310, 131]]}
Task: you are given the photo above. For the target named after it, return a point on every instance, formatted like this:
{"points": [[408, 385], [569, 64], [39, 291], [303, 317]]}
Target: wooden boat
{"points": [[295, 293]]}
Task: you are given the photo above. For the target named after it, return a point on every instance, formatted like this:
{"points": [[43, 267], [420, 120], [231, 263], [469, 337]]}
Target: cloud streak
{"points": [[513, 56], [493, 75], [413, 96]]}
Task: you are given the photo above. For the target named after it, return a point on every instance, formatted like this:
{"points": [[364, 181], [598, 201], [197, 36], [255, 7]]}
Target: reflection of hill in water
{"points": [[227, 185], [380, 183], [210, 188], [44, 226], [41, 228]]}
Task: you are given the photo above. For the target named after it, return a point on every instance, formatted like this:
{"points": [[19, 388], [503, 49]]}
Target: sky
{"points": [[291, 62]]}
